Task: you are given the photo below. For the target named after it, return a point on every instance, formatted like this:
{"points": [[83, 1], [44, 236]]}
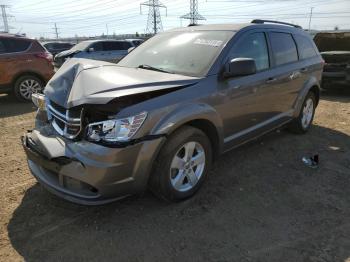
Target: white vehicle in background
{"points": [[104, 50]]}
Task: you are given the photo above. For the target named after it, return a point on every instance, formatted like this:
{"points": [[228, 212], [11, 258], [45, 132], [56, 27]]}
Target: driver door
{"points": [[249, 102]]}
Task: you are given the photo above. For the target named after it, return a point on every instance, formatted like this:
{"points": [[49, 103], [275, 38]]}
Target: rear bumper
{"points": [[336, 77], [86, 173]]}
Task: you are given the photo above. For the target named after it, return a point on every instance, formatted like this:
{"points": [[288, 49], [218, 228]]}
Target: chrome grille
{"points": [[66, 122]]}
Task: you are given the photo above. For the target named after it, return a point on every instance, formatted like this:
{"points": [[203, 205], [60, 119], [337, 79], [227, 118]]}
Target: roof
{"points": [[232, 27], [104, 40], [14, 36]]}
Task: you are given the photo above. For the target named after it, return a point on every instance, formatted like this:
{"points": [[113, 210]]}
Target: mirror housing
{"points": [[91, 49], [240, 67]]}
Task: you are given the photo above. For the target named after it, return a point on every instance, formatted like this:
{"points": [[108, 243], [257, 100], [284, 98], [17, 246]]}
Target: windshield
{"points": [[81, 46], [186, 53], [332, 41]]}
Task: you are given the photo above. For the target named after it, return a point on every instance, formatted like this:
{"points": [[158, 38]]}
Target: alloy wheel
{"points": [[308, 112], [28, 87], [187, 166]]}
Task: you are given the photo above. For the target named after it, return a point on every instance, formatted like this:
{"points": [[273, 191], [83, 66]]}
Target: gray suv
{"points": [[161, 116]]}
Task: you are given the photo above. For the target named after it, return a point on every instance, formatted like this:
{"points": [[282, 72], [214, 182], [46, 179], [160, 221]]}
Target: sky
{"points": [[37, 18]]}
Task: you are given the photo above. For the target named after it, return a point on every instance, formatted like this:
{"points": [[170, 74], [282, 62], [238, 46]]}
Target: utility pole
{"points": [[193, 15], [56, 31], [312, 8], [4, 18], [154, 22]]}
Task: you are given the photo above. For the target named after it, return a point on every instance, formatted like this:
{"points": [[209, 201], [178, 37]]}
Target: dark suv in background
{"points": [[162, 114], [25, 66], [57, 47], [335, 50]]}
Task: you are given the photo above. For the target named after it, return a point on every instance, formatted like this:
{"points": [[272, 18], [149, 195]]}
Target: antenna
{"points": [[193, 15], [154, 22]]}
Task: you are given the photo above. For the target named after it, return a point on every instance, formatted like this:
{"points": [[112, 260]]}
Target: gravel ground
{"points": [[260, 203]]}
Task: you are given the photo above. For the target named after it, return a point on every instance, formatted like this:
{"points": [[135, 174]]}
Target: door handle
{"points": [[271, 80]]}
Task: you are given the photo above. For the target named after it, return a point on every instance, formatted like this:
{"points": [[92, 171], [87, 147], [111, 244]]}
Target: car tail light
{"points": [[45, 55]]}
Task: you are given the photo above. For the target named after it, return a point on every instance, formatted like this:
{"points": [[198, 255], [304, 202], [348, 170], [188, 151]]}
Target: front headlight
{"points": [[116, 130]]}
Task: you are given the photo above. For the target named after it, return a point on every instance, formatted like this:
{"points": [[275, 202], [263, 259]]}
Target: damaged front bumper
{"points": [[88, 173]]}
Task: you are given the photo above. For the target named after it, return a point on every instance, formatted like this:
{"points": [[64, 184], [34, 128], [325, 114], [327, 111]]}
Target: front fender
{"points": [[310, 83], [186, 113]]}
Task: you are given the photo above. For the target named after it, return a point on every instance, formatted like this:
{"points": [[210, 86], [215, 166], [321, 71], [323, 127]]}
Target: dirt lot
{"points": [[259, 204]]}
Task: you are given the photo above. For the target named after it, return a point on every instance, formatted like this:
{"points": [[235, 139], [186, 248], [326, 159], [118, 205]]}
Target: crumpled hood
{"points": [[83, 81]]}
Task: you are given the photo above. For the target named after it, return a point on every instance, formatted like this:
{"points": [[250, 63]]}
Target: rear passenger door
{"points": [[287, 79], [13, 58]]}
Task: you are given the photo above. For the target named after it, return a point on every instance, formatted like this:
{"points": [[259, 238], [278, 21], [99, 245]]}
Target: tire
{"points": [[176, 184], [303, 122], [25, 86]]}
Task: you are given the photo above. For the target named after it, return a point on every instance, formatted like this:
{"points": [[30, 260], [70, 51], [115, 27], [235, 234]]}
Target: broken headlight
{"points": [[115, 130]]}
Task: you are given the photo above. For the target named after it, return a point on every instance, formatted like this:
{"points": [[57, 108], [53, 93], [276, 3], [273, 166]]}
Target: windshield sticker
{"points": [[208, 42]]}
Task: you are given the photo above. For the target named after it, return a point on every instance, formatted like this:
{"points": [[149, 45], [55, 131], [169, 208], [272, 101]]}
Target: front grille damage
{"points": [[67, 122], [71, 123]]}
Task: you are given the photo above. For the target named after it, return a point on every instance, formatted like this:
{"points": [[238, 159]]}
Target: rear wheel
{"points": [[25, 86], [182, 165], [303, 122]]}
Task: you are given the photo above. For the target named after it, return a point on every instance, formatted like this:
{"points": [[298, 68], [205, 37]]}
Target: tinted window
{"points": [[15, 45], [253, 46], [96, 46], [110, 46], [283, 48], [137, 42], [305, 47], [2, 47]]}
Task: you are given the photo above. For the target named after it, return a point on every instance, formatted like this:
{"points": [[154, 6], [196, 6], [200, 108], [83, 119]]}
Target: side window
{"points": [[283, 48], [16, 45], [253, 46], [2, 47], [112, 46], [305, 47], [96, 46]]}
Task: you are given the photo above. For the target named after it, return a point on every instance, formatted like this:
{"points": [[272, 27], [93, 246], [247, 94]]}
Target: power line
{"points": [[193, 15], [154, 22]]}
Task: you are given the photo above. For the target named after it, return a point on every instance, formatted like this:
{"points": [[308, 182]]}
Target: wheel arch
{"points": [[313, 85], [26, 73], [201, 116]]}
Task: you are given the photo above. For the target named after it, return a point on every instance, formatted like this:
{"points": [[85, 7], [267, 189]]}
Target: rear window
{"points": [[283, 48], [15, 45], [305, 47]]}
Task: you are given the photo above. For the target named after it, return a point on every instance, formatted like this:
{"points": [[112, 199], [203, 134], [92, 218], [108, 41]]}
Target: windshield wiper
{"points": [[148, 67]]}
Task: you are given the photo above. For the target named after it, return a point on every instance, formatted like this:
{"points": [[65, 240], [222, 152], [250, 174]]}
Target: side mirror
{"points": [[91, 49], [240, 67], [131, 49]]}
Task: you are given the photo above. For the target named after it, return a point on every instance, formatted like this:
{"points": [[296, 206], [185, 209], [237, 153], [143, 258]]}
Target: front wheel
{"points": [[182, 165], [303, 122]]}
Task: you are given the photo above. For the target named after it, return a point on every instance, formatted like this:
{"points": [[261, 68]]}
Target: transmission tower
{"points": [[56, 31], [154, 22], [4, 18], [193, 15]]}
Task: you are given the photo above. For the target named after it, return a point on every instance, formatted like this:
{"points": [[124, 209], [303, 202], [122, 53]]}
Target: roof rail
{"points": [[262, 21]]}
